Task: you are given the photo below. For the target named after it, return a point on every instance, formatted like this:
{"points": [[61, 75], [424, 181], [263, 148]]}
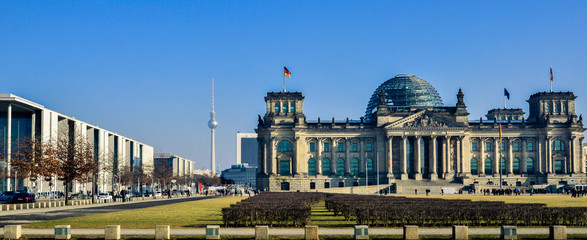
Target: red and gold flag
{"points": [[286, 72], [551, 78]]}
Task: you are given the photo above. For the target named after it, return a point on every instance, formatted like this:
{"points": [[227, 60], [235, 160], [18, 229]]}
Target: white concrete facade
{"points": [[180, 166], [111, 150]]}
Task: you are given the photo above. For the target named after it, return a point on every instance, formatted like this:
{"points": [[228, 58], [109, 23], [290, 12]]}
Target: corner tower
{"points": [[284, 109], [552, 107]]}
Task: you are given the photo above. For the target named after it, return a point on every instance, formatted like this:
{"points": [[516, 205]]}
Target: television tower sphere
{"points": [[212, 124]]}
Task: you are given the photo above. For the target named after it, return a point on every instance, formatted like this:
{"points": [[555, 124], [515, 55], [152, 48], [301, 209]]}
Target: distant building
{"points": [[21, 118], [241, 174], [202, 173], [247, 148], [180, 166]]}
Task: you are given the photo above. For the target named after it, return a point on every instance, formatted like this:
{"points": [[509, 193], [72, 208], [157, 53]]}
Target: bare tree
{"points": [[34, 159], [163, 172], [75, 160]]}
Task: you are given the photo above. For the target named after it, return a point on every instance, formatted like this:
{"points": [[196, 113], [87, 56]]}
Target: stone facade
{"points": [[425, 143]]}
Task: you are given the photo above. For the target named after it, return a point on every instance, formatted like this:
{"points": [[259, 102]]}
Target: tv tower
{"points": [[212, 124]]}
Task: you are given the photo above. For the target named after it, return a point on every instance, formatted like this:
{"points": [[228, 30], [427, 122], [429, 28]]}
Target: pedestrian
{"points": [[442, 191], [416, 191], [427, 191]]}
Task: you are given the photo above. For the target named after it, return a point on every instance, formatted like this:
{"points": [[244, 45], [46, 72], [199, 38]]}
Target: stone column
{"points": [[390, 157], [319, 157], [444, 156], [510, 158], [540, 165], [466, 156], [274, 161], [403, 158], [459, 160], [582, 156], [523, 163], [293, 170], [481, 158], [446, 163], [347, 157], [362, 157], [433, 159], [497, 158], [417, 160], [573, 168], [549, 162]]}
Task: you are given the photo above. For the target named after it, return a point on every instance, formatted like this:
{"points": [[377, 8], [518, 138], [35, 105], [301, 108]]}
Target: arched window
{"points": [[530, 166], [284, 146], [312, 167], [355, 167], [558, 145], [276, 107], [370, 165], [502, 165], [284, 107], [474, 166], [292, 107], [326, 166], [565, 110], [516, 165], [557, 108], [340, 167], [488, 167], [549, 108]]}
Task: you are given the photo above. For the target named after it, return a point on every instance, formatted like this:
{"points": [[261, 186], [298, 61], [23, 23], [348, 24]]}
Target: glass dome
{"points": [[405, 90]]}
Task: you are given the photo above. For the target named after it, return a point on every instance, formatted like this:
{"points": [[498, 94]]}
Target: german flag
{"points": [[286, 73], [551, 78]]}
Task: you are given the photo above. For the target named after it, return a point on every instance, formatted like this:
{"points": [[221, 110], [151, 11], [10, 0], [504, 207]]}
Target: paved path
{"points": [[297, 231], [43, 214]]}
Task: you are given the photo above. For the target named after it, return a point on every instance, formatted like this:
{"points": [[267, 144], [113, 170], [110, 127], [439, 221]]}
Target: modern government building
{"points": [[408, 134], [21, 118]]}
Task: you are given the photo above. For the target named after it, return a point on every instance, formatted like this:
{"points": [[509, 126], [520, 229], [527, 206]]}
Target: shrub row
{"points": [[386, 211], [273, 209]]}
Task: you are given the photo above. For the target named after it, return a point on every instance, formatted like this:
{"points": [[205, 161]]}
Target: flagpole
{"points": [[366, 173], [377, 161]]}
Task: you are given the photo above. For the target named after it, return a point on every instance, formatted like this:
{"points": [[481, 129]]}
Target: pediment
{"points": [[422, 119]]}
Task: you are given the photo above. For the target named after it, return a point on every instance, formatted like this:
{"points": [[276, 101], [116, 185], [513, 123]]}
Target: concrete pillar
{"points": [[213, 232], [311, 233], [361, 232], [411, 232], [417, 161], [433, 159], [403, 158], [62, 231], [162, 232], [557, 232], [261, 232], [112, 232], [12, 232], [9, 145], [509, 232], [460, 232]]}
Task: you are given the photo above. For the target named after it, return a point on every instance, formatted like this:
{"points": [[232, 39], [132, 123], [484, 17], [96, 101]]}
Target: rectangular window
{"points": [[516, 146], [355, 147], [284, 108], [326, 147], [341, 147], [474, 146], [312, 147], [312, 185], [369, 147], [276, 107], [284, 168], [487, 146], [503, 146], [530, 147], [292, 107]]}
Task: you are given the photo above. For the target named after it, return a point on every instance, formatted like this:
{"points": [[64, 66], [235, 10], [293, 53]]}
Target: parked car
{"points": [[104, 196], [17, 197], [76, 196], [158, 194]]}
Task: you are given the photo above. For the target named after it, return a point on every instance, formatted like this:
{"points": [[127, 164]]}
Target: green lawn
{"points": [[208, 211], [179, 215]]}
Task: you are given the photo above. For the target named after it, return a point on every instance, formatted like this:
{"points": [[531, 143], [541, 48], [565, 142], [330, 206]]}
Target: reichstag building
{"points": [[409, 134]]}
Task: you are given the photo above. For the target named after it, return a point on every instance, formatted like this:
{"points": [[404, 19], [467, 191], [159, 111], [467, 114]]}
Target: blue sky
{"points": [[144, 68]]}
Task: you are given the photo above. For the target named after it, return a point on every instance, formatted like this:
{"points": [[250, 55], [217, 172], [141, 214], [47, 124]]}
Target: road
{"points": [[43, 214]]}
